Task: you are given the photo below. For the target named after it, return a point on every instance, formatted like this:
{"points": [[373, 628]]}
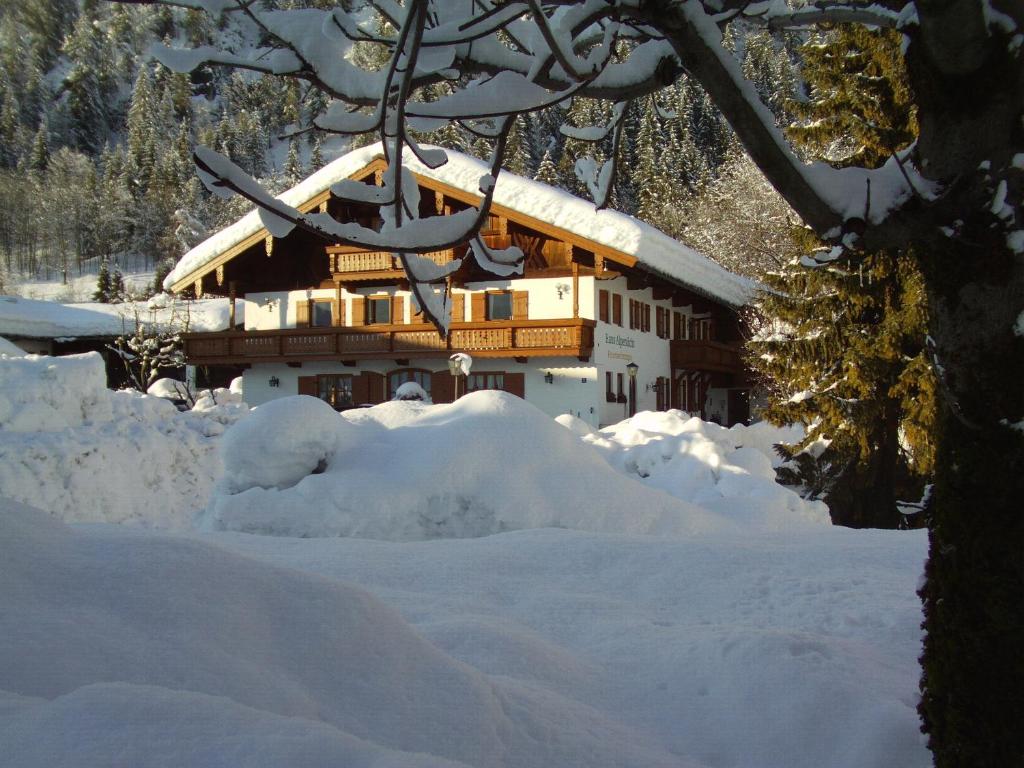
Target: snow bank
{"points": [[728, 471], [489, 462], [10, 349], [83, 453], [149, 649]]}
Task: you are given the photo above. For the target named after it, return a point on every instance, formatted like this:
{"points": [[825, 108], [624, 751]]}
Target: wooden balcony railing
{"points": [[377, 261], [704, 355], [506, 338]]}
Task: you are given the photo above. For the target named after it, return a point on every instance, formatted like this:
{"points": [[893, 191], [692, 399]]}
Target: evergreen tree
{"points": [[843, 350], [547, 173], [39, 157], [103, 284], [89, 82], [647, 172], [316, 158], [117, 288], [142, 133], [293, 170]]}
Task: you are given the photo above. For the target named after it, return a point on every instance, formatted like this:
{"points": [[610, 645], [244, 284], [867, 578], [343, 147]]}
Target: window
{"points": [[322, 314], [609, 391], [378, 310], [679, 323], [335, 389], [622, 392], [499, 305], [602, 306], [616, 309], [399, 377], [477, 381]]}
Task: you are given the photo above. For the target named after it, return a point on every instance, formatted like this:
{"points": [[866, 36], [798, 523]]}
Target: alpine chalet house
{"points": [[610, 315]]}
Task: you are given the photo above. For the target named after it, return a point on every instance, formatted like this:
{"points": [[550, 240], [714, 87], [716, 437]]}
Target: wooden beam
{"points": [[575, 289]]}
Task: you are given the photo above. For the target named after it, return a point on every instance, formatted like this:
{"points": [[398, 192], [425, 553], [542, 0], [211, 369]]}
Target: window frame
{"points": [[490, 296], [321, 378], [372, 302], [419, 375]]}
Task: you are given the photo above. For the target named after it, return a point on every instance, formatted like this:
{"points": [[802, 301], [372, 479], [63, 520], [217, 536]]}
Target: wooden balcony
{"points": [[506, 338], [704, 355], [374, 265]]}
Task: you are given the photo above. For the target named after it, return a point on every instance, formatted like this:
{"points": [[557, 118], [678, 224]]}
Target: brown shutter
{"points": [[478, 307], [416, 315], [617, 309], [647, 317], [358, 311], [375, 387], [602, 306], [397, 310], [307, 386], [677, 322], [520, 305], [515, 384], [441, 386], [302, 314], [458, 307], [360, 390]]}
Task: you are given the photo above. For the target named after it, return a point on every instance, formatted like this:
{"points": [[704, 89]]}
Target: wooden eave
{"points": [[455, 193]]}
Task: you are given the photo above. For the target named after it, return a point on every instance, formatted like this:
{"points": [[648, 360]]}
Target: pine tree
{"points": [[293, 170], [39, 157], [843, 350], [89, 82], [547, 173], [316, 158], [142, 130], [117, 288], [102, 293]]}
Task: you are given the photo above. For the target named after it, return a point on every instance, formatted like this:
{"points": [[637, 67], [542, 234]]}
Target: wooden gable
{"points": [[544, 245]]}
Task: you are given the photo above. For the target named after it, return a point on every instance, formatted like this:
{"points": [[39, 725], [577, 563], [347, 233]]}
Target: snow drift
{"points": [[83, 453], [129, 636], [489, 462]]}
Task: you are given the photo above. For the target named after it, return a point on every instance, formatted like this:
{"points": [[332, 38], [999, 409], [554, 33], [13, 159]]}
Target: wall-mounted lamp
{"points": [[549, 377], [274, 381], [562, 288], [632, 368]]}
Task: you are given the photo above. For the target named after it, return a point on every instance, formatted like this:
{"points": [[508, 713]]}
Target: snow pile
{"points": [[411, 390], [489, 462], [10, 349], [143, 649], [728, 471], [83, 453]]}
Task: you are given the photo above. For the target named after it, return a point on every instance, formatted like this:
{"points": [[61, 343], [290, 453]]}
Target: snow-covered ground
{"points": [[479, 586]]}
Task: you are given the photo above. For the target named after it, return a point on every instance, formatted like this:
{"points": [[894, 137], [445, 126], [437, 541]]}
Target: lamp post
{"points": [[632, 368], [458, 363]]}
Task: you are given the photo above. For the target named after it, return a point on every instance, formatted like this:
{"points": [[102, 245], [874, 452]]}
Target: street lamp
{"points": [[458, 363]]}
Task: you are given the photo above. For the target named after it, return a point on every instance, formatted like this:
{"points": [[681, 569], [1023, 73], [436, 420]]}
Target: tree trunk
{"points": [[972, 682]]}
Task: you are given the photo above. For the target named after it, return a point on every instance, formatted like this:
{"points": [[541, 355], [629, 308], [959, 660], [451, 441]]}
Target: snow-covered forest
{"points": [[97, 135]]}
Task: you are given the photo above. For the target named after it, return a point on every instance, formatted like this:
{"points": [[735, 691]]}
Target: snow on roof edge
{"points": [[650, 246]]}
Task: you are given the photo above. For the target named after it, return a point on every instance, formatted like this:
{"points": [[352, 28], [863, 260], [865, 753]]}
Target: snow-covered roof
{"points": [[31, 318], [650, 246]]}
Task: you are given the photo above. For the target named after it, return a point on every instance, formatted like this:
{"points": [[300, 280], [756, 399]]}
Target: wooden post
{"points": [[575, 290], [232, 290]]}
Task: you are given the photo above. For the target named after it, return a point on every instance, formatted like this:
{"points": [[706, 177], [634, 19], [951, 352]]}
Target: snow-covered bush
{"points": [[280, 443], [411, 390]]}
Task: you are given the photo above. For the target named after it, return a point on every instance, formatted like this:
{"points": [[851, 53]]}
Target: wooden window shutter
{"points": [[375, 388], [415, 315], [441, 386], [617, 309], [520, 305], [307, 386], [358, 311], [360, 389], [478, 307], [632, 313], [515, 384], [397, 310], [602, 306], [677, 320], [647, 317], [458, 307], [302, 314]]}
